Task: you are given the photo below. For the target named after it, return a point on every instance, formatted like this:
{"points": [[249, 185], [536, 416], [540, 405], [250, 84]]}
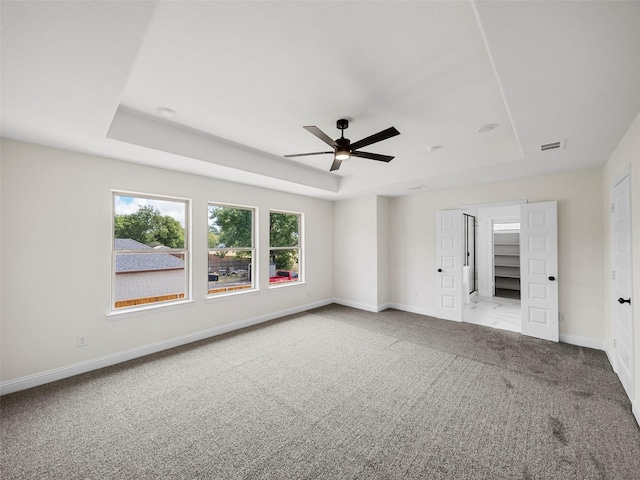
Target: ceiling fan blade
{"points": [[305, 154], [376, 137], [373, 156], [321, 135], [335, 165]]}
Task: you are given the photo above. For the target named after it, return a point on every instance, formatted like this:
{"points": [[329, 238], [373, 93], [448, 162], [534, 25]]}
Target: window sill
{"points": [[231, 295], [283, 285], [147, 310]]}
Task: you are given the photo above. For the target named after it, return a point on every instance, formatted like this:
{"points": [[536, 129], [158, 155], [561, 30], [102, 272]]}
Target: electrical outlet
{"points": [[562, 317], [414, 294], [82, 340]]}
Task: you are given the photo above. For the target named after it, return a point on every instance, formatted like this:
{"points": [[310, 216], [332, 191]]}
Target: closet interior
{"points": [[506, 260]]}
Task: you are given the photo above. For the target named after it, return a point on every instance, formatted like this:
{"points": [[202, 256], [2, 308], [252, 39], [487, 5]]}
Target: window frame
{"points": [[185, 252], [299, 248], [253, 286]]}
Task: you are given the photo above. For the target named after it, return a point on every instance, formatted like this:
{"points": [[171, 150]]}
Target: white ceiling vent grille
{"points": [[552, 146]]}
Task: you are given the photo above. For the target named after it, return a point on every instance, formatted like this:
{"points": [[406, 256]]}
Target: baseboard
{"points": [[582, 341], [610, 357], [361, 306], [635, 404], [94, 364], [413, 309]]}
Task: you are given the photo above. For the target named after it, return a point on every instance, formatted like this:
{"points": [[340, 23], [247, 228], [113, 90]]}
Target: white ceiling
{"points": [[244, 77]]}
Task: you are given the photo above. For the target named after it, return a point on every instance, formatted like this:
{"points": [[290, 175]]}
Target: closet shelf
{"points": [[506, 255]]}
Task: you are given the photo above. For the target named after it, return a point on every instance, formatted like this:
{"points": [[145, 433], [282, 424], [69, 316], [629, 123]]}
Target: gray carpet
{"points": [[334, 393]]}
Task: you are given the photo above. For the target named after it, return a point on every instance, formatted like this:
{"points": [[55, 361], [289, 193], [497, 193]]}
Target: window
{"points": [[150, 250], [285, 248], [231, 249]]}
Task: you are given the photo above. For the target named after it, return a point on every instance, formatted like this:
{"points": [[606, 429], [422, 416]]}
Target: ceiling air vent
{"points": [[551, 146]]}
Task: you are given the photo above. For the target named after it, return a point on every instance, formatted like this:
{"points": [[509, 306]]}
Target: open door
{"points": [[539, 270], [449, 261]]}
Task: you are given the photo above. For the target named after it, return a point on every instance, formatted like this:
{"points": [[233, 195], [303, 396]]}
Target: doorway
{"points": [[497, 302], [538, 266]]}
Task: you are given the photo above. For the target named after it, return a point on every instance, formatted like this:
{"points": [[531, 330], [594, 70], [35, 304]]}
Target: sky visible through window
{"points": [[125, 205]]}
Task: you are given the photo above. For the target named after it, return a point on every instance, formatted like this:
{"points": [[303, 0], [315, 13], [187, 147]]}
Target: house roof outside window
{"points": [[143, 262]]}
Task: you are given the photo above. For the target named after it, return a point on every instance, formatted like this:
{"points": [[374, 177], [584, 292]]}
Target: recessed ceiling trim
{"points": [[137, 129]]}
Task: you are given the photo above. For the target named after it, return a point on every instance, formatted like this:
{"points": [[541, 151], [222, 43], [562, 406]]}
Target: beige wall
{"points": [[355, 262], [626, 154], [382, 259], [580, 244], [56, 218], [56, 244]]}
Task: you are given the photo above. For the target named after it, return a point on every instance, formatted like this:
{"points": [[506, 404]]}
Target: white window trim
{"points": [[255, 271], [300, 247], [123, 312]]}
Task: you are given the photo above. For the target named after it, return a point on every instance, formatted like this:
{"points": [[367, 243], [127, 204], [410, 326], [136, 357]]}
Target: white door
{"points": [[539, 270], [622, 274], [449, 257]]}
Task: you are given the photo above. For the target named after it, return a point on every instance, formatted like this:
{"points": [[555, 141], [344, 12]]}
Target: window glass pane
{"points": [[153, 222], [284, 229], [230, 271], [230, 227], [149, 251], [143, 278], [230, 241], [284, 266]]}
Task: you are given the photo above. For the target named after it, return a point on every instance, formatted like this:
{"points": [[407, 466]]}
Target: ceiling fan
{"points": [[343, 149]]}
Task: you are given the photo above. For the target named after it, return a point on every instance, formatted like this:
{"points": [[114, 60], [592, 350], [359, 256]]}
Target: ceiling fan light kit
{"points": [[343, 149]]}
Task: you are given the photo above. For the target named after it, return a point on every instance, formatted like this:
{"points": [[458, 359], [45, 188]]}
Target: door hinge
{"points": [[614, 343], [613, 275], [613, 208]]}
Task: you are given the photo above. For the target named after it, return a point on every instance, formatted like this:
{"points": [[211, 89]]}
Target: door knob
{"points": [[439, 270], [552, 278], [622, 300]]}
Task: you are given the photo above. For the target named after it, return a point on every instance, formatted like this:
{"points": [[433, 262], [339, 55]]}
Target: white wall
{"points": [[56, 241], [383, 235], [356, 252], [627, 153], [580, 244]]}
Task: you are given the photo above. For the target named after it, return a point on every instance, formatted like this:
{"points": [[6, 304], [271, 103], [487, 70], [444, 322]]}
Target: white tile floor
{"points": [[496, 312]]}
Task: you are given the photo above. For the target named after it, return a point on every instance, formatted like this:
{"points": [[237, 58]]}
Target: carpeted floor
{"points": [[334, 393]]}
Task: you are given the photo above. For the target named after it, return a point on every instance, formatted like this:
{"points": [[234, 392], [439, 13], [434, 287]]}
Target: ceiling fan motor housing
{"points": [[343, 143]]}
